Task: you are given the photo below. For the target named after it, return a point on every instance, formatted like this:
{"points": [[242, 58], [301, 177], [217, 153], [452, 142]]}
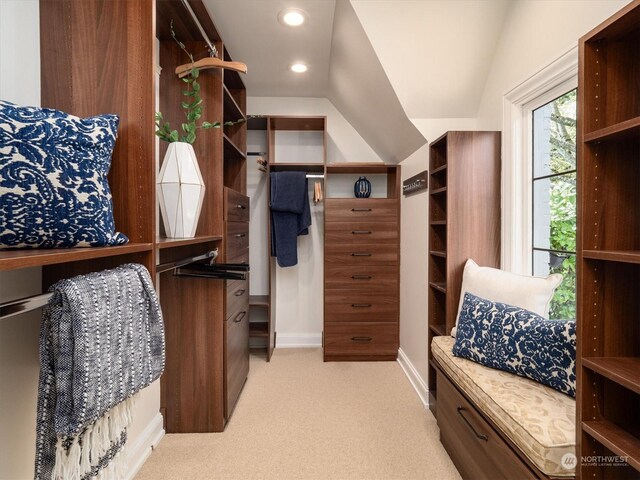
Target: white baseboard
{"points": [[416, 381], [144, 445], [299, 340]]}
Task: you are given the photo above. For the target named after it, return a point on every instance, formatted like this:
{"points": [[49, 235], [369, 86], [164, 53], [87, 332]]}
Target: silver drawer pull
{"points": [[239, 293], [361, 232], [361, 305], [239, 317], [240, 235], [360, 209], [359, 254], [361, 339], [480, 436], [241, 207], [361, 277]]}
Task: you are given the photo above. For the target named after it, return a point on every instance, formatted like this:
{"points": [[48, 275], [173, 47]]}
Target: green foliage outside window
{"points": [[563, 202]]}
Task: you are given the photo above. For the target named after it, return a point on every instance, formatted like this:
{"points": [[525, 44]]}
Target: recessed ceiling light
{"points": [[292, 17], [298, 67]]}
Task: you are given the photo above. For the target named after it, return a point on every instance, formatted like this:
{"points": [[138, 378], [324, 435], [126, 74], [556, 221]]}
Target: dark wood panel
{"points": [[361, 209], [461, 426], [236, 239], [361, 339], [236, 357], [360, 233], [236, 206], [357, 255], [365, 277], [297, 123], [192, 386], [360, 306]]}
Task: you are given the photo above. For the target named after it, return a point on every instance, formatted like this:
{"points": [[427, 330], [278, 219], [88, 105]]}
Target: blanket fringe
{"points": [[77, 456]]}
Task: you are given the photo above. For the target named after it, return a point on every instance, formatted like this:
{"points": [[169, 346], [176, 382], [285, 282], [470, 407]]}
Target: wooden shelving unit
{"points": [[163, 242], [464, 178], [608, 366]]}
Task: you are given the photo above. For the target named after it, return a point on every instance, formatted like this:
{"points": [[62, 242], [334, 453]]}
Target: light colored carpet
{"points": [[300, 418]]}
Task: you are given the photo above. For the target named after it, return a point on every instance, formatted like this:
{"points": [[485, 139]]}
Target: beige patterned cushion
{"points": [[538, 419]]}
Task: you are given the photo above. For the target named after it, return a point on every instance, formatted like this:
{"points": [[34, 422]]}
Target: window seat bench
{"points": [[495, 424]]}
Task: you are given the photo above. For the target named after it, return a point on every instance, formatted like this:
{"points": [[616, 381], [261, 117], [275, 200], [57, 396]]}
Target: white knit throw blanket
{"points": [[101, 341]]}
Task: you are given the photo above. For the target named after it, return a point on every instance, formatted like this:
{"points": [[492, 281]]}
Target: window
{"points": [[553, 188]]}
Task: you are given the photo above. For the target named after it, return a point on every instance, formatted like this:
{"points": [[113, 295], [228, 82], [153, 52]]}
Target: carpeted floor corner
{"points": [[300, 418]]}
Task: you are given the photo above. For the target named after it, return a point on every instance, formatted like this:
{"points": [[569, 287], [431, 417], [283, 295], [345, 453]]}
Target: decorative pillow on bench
{"points": [[533, 293], [53, 179], [518, 341]]}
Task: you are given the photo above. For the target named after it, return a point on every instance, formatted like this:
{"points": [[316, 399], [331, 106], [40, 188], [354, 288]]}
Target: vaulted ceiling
{"points": [[380, 62]]}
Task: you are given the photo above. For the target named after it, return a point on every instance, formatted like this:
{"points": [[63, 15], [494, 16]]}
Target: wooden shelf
{"points": [[360, 168], [258, 329], [162, 242], [623, 256], [440, 286], [439, 329], [304, 167], [298, 123], [231, 151], [259, 300], [439, 169], [438, 222], [622, 370], [232, 111], [438, 191], [438, 254], [628, 128], [15, 259], [615, 439]]}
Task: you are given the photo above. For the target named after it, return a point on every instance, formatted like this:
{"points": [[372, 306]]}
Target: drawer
{"points": [[361, 338], [361, 232], [360, 306], [236, 359], [476, 449], [369, 277], [359, 255], [236, 206], [361, 209], [237, 297], [236, 240]]}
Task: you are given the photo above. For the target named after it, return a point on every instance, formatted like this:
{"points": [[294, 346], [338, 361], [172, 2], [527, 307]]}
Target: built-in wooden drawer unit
{"points": [[361, 254], [368, 277], [360, 339], [361, 209], [237, 297], [236, 240], [236, 362], [361, 232], [236, 206], [475, 447], [360, 306]]}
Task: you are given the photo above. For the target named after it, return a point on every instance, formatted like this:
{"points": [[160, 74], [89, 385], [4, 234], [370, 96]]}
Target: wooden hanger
{"points": [[210, 62]]}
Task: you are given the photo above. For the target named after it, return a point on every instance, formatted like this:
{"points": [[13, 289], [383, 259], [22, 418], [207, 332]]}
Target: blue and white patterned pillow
{"points": [[518, 341], [53, 179]]}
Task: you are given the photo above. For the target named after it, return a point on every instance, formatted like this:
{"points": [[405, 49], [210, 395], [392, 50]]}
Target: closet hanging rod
{"points": [[315, 175], [213, 51], [23, 305], [256, 153], [165, 267]]}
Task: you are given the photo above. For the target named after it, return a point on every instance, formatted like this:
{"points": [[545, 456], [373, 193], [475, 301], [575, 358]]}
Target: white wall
{"points": [[536, 33], [19, 362], [299, 300]]}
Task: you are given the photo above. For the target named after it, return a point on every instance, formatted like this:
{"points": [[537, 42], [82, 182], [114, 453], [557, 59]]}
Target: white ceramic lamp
{"points": [[180, 191]]}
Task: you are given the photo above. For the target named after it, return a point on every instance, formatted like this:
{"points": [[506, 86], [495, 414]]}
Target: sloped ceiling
{"points": [[436, 53], [360, 89], [380, 62]]}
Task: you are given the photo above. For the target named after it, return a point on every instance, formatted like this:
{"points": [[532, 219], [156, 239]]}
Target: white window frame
{"points": [[549, 83]]}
